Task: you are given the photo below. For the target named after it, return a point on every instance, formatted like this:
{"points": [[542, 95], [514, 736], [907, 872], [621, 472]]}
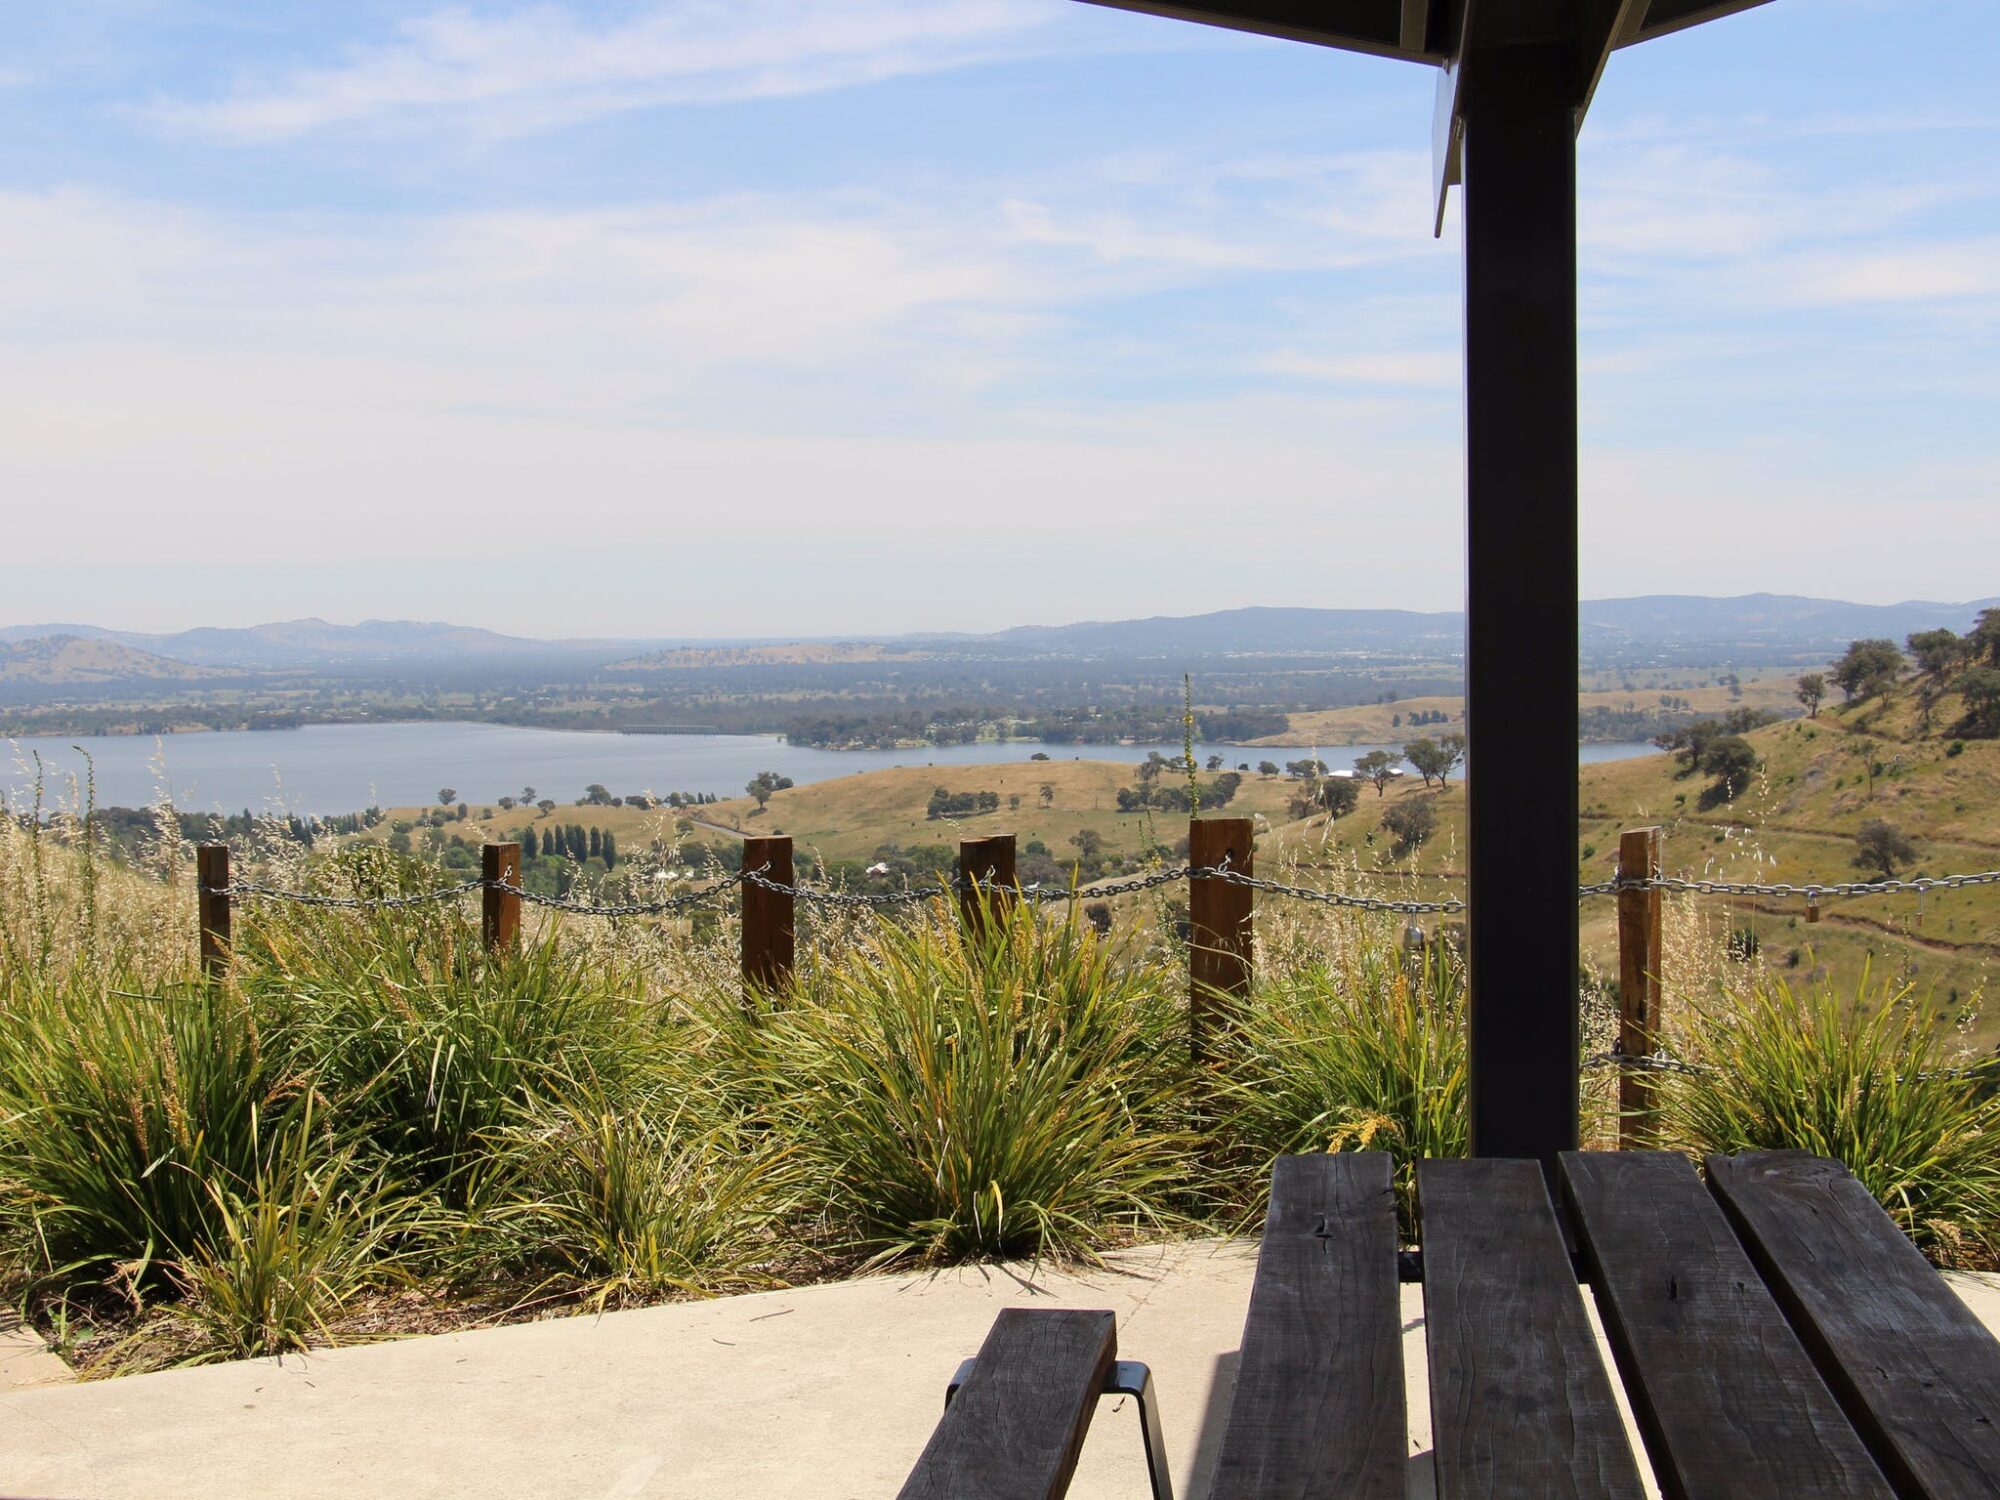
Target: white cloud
{"points": [[1441, 369], [540, 66]]}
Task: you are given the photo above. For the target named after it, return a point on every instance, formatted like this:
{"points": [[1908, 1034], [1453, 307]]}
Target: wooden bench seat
{"points": [[1318, 1408], [1915, 1371], [1521, 1405], [1778, 1338], [1014, 1429]]}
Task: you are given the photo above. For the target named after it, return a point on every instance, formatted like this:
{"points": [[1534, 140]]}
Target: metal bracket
{"points": [[1127, 1377]]}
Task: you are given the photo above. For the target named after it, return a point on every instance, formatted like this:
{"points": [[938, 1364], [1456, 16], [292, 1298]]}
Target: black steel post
{"points": [[1521, 633]]}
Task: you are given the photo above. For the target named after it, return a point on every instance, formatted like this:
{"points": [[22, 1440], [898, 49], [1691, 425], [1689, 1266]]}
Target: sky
{"points": [[754, 317]]}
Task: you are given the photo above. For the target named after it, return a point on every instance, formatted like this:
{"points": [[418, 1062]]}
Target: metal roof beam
{"points": [[1664, 16], [1383, 28]]}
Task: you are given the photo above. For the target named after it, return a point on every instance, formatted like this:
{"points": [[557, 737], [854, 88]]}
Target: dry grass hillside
{"points": [[1389, 723], [59, 659]]}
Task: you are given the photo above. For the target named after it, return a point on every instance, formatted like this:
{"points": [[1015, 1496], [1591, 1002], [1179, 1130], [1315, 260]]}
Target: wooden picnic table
{"points": [[1774, 1332]]}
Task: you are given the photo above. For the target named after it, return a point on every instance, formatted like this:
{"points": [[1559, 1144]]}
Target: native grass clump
{"points": [[371, 1124]]}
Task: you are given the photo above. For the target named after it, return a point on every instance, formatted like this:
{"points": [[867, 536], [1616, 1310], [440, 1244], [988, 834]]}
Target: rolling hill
{"points": [[70, 660]]}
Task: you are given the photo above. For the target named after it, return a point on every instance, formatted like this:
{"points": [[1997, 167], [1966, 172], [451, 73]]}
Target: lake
{"points": [[340, 768]]}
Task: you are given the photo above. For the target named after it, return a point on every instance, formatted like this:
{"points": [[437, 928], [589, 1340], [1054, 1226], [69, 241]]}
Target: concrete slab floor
{"points": [[832, 1389]]}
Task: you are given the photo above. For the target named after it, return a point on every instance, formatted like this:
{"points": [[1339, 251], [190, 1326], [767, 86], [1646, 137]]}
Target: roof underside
{"points": [[1415, 30]]}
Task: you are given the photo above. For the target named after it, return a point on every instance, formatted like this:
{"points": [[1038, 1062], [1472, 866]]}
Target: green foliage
{"points": [[1981, 689], [1411, 822], [1861, 1078], [1867, 668], [1435, 758], [956, 1097], [1882, 848], [1365, 1051]]}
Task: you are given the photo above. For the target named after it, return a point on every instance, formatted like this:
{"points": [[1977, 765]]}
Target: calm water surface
{"points": [[346, 767]]}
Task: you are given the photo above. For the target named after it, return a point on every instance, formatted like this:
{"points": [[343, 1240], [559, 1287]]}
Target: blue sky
{"points": [[581, 319]]}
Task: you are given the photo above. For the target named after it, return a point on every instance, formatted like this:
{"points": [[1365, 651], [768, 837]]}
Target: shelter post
{"points": [[1519, 209]]}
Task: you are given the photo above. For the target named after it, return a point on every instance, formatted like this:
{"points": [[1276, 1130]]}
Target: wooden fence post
{"points": [[769, 917], [211, 874], [1639, 858], [500, 911], [1219, 921], [986, 878]]}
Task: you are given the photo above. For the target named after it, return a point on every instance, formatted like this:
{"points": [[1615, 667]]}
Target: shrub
{"points": [[955, 1097], [1365, 1052], [1865, 1080]]}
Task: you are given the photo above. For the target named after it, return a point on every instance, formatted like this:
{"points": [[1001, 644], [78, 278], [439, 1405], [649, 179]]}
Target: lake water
{"points": [[346, 767]]}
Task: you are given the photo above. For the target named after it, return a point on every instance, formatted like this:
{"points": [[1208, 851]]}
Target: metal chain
{"points": [[249, 890], [624, 909], [1057, 895], [1812, 893], [1663, 1062]]}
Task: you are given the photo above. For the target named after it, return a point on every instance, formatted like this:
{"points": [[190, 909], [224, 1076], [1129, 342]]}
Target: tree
{"points": [[1981, 690], [1310, 769], [1984, 637], [763, 784], [1088, 842], [595, 849], [1435, 757], [1937, 652], [1732, 761], [546, 806], [1215, 763], [1868, 667], [1812, 688], [1378, 766], [1412, 821], [1338, 795], [506, 804], [446, 796], [1881, 847], [530, 845], [597, 794], [1048, 795], [527, 795], [1267, 768], [610, 850]]}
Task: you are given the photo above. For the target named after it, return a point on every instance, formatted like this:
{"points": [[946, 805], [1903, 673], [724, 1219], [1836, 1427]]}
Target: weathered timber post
{"points": [[769, 918], [211, 876], [1639, 858], [500, 910], [986, 880], [1219, 921]]}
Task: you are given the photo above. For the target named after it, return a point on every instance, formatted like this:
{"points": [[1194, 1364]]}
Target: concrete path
{"points": [[830, 1391]]}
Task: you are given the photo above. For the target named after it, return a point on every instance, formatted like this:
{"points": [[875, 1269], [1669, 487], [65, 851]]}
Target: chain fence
{"points": [[990, 884], [1047, 895]]}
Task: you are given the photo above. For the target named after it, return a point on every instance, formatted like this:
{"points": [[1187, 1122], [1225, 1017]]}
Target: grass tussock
{"points": [[1870, 1078], [375, 1124]]}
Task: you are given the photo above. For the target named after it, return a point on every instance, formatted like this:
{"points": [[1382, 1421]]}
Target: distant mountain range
{"points": [[1750, 626]]}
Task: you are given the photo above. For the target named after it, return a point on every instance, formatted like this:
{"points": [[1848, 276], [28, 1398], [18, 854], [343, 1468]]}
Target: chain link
{"points": [[248, 890], [1103, 890], [1811, 893]]}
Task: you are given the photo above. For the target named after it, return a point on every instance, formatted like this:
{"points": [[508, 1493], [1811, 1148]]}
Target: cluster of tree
{"points": [[1945, 661], [944, 804], [1163, 795], [1881, 848], [647, 800], [1418, 717], [1717, 748], [1336, 796], [570, 841], [764, 784], [1436, 758], [1097, 725]]}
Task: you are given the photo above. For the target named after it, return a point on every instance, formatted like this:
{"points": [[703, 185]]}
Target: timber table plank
{"points": [[1918, 1375], [1728, 1400], [1015, 1428], [1318, 1409], [1521, 1404]]}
